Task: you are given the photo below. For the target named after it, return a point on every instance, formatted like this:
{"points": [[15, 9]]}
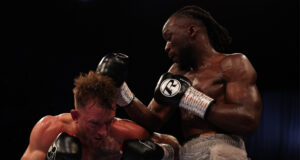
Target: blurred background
{"points": [[46, 44]]}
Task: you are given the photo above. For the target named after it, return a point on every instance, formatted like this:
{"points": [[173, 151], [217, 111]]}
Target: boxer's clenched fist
{"points": [[176, 90], [115, 65]]}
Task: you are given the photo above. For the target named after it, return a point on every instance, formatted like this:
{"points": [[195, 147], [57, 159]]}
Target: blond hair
{"points": [[94, 85]]}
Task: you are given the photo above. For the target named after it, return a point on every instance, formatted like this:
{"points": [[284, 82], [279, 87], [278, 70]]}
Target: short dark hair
{"points": [[218, 35], [94, 85]]}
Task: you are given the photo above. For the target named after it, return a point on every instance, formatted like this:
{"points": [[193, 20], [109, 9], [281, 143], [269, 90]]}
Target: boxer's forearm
{"points": [[139, 113]]}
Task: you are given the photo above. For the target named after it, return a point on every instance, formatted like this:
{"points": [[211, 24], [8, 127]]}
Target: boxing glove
{"points": [[176, 90], [65, 147], [170, 88], [115, 65], [146, 150]]}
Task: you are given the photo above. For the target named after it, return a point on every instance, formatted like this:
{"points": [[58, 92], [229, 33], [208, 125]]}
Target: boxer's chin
{"points": [[185, 59], [174, 59], [108, 145], [184, 65]]}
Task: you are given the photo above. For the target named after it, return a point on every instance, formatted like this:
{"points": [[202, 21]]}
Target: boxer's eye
{"points": [[93, 124], [168, 37]]}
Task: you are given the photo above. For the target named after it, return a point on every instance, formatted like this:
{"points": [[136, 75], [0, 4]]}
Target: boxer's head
{"points": [[184, 25], [178, 44], [95, 104], [96, 87], [218, 35]]}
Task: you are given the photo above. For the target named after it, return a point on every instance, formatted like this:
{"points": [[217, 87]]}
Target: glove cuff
{"points": [[125, 96], [195, 101], [168, 152]]}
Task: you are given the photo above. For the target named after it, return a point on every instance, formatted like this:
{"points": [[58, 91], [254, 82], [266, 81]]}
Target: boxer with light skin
{"points": [[215, 92], [90, 131]]}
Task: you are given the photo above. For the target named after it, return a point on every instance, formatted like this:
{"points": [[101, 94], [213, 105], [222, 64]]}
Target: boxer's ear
{"points": [[75, 115], [192, 30]]}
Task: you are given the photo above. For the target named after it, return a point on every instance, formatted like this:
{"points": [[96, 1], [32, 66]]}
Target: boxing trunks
{"points": [[65, 147], [214, 147]]}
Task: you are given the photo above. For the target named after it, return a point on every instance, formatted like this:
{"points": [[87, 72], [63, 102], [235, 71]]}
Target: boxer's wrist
{"points": [[125, 96], [196, 102], [168, 151]]}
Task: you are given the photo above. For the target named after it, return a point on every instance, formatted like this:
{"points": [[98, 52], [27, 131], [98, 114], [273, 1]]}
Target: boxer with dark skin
{"points": [[194, 41], [92, 122]]}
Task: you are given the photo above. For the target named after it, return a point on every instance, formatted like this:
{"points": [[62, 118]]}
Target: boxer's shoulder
{"points": [[128, 123], [54, 122], [128, 129], [44, 133], [50, 126], [64, 119], [47, 122], [232, 58], [237, 65]]}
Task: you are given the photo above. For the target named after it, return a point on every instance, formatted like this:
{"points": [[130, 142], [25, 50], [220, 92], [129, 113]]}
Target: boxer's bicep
{"points": [[245, 100], [241, 89], [238, 109], [240, 93], [240, 78]]}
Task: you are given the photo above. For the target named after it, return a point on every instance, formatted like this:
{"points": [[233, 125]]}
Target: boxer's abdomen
{"points": [[193, 125]]}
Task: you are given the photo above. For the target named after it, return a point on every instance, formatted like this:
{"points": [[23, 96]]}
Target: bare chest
{"points": [[210, 81]]}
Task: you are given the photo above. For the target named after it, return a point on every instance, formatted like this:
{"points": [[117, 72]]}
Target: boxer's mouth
{"points": [[99, 138]]}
